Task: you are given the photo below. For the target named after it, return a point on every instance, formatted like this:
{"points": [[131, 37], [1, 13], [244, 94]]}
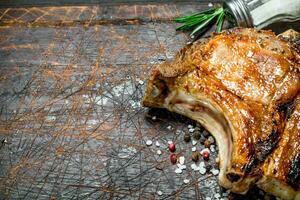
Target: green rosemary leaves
{"points": [[197, 22]]}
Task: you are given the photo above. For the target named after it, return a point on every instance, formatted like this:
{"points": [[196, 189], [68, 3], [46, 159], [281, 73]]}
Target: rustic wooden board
{"points": [[72, 127]]}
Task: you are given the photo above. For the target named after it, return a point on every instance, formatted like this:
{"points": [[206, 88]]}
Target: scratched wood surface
{"points": [[71, 123]]}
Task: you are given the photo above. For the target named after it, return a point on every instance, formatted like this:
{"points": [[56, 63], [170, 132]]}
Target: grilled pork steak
{"points": [[243, 86]]}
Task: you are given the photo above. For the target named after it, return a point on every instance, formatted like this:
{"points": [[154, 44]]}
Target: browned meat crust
{"points": [[242, 85]]}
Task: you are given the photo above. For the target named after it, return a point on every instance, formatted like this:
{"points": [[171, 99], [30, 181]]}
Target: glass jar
{"points": [[261, 13]]}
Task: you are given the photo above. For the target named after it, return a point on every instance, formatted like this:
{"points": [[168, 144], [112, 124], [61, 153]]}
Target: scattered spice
{"points": [[195, 156], [205, 155], [206, 133], [207, 143], [187, 137], [172, 147], [211, 139], [173, 159], [202, 139], [208, 167], [197, 135]]}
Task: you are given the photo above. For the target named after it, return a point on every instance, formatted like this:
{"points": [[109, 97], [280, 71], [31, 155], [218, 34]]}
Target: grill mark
{"points": [[233, 177], [287, 108], [263, 148], [293, 176]]}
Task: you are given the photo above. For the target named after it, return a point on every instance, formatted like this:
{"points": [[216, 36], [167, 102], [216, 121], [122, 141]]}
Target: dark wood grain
{"points": [[71, 123]]}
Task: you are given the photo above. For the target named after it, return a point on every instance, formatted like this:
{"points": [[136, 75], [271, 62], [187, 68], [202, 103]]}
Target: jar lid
{"points": [[239, 11]]}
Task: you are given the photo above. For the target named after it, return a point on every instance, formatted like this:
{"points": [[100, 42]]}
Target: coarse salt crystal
{"points": [[190, 126], [181, 160], [217, 195], [194, 142], [157, 144], [193, 166], [178, 171], [202, 171], [202, 164], [186, 181], [159, 193], [158, 152], [148, 142], [170, 142], [183, 167], [212, 148], [194, 149], [141, 82], [210, 5], [207, 198], [169, 127], [197, 168], [191, 130], [154, 118], [214, 171]]}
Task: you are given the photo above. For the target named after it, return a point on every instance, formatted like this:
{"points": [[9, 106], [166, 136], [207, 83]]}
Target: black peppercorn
{"points": [[197, 135], [195, 156], [187, 137]]}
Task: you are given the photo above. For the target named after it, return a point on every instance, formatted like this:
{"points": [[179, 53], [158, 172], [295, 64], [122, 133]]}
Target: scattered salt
{"points": [[183, 167], [194, 149], [157, 144], [169, 127], [178, 171], [194, 142], [210, 5], [191, 130], [170, 142], [202, 168], [158, 152], [212, 148], [154, 118], [190, 126], [186, 181], [148, 142], [193, 166], [201, 164], [181, 160], [159, 193], [217, 195], [202, 171], [214, 171], [141, 82]]}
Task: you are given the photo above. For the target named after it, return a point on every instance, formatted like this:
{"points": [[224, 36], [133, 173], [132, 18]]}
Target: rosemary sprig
{"points": [[196, 22]]}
